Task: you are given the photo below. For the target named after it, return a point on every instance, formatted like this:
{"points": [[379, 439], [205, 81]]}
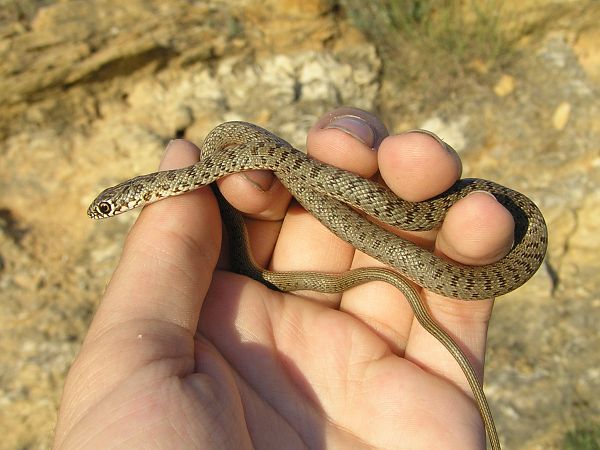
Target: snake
{"points": [[354, 209]]}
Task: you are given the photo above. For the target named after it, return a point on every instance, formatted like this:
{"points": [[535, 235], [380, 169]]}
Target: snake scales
{"points": [[335, 197]]}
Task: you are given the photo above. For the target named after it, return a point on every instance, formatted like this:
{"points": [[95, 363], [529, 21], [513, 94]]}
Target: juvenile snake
{"points": [[342, 201]]}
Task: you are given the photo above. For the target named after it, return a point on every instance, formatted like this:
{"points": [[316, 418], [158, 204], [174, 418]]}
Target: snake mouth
{"points": [[93, 214]]}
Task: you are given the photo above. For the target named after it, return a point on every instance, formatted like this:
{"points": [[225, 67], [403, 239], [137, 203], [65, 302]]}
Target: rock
{"points": [[561, 116], [586, 49], [505, 86]]}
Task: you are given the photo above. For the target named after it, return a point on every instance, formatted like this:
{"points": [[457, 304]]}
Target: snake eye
{"points": [[104, 207]]}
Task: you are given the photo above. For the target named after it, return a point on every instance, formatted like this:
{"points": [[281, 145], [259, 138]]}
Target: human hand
{"points": [[185, 354]]}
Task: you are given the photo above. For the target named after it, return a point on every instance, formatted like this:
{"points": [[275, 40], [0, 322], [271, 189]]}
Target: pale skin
{"points": [[183, 353]]}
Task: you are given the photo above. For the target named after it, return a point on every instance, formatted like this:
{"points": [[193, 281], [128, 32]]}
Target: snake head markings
{"points": [[115, 200], [101, 208]]}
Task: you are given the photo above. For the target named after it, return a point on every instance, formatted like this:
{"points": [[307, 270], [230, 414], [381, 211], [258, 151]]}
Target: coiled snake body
{"points": [[335, 197]]}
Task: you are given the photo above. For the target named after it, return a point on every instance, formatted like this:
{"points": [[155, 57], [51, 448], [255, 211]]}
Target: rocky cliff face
{"points": [[90, 92]]}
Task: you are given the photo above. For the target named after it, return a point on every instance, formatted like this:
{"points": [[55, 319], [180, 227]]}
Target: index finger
{"points": [[168, 258]]}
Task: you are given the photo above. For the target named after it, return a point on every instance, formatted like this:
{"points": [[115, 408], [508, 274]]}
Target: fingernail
{"points": [[260, 179], [432, 135], [356, 127], [483, 192]]}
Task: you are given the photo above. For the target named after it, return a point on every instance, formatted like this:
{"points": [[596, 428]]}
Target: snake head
{"points": [[99, 209], [107, 204], [120, 198], [131, 194]]}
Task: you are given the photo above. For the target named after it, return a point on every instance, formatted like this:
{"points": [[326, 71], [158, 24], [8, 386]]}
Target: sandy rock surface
{"points": [[91, 92]]}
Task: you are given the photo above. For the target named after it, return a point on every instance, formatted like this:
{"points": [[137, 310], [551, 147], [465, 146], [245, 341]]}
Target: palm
{"points": [[273, 370], [318, 375]]}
